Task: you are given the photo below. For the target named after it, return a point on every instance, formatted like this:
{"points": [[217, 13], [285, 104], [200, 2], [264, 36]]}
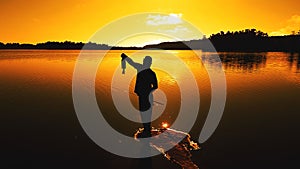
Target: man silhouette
{"points": [[146, 83]]}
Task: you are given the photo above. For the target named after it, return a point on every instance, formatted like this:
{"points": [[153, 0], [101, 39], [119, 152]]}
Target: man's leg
{"points": [[146, 111]]}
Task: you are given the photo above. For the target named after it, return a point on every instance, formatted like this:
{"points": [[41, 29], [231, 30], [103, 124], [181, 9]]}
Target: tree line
{"points": [[54, 45], [253, 40], [248, 40]]}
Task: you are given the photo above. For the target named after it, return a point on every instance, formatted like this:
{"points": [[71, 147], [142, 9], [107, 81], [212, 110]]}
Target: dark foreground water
{"points": [[39, 127]]}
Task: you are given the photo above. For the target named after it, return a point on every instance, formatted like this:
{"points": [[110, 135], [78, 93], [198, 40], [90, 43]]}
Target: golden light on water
{"points": [[165, 125]]}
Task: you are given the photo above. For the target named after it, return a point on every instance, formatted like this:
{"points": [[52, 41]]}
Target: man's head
{"points": [[147, 62]]}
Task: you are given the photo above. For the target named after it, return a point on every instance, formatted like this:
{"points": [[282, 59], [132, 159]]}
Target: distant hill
{"points": [[67, 45], [248, 40]]}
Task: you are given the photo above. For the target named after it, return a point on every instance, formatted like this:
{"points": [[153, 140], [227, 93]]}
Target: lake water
{"points": [[259, 128]]}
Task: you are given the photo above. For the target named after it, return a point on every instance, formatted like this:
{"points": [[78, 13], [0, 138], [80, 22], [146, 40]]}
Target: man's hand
{"points": [[123, 56]]}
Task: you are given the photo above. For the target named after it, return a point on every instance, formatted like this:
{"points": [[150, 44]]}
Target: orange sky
{"points": [[34, 21]]}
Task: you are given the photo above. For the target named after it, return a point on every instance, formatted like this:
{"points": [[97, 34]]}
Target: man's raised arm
{"points": [[131, 62]]}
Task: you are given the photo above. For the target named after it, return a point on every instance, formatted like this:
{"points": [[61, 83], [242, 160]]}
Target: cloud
{"points": [[171, 19], [292, 24]]}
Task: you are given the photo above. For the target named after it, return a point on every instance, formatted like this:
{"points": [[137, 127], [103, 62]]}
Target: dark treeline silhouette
{"points": [[62, 45], [248, 40], [51, 45], [251, 40]]}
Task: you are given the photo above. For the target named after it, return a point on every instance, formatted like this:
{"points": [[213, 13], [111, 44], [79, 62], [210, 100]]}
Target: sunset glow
{"points": [[36, 21]]}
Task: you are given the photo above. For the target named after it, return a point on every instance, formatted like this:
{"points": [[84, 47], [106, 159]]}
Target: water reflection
{"points": [[37, 94], [294, 61], [246, 62]]}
